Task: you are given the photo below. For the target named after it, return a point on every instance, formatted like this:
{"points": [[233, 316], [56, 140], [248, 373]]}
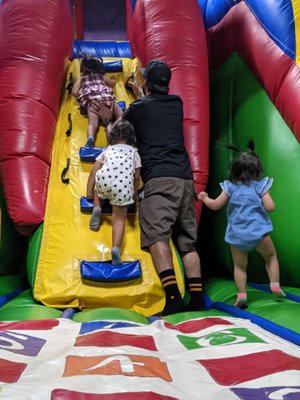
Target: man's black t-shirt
{"points": [[158, 124]]}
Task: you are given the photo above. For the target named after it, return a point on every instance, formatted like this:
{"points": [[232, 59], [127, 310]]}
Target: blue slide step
{"points": [[104, 271], [89, 154], [101, 49], [86, 206]]}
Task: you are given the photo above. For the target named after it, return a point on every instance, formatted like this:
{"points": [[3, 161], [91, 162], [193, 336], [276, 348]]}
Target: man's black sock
{"points": [[195, 289], [174, 302]]}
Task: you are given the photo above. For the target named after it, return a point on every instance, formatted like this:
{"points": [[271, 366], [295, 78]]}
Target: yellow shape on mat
{"points": [[67, 238]]}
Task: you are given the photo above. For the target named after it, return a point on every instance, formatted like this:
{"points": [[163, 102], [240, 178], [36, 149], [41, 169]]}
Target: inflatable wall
{"points": [[32, 65]]}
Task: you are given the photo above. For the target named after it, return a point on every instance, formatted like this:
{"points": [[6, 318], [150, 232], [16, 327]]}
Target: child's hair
{"points": [[91, 65], [247, 166], [122, 130]]}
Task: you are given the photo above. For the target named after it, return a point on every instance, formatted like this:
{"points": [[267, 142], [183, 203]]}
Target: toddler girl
{"points": [[115, 176], [248, 224], [94, 86]]}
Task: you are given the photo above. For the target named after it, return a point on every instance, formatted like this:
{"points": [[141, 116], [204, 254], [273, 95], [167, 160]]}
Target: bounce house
{"points": [[74, 327]]}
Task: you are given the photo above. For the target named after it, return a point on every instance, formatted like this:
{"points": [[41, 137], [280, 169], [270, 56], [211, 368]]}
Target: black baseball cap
{"points": [[157, 72]]}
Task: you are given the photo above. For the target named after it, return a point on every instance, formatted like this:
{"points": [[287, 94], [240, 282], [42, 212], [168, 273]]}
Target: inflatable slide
{"points": [[63, 337]]}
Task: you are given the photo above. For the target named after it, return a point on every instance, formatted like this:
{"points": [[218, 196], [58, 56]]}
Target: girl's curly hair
{"points": [[91, 65], [122, 130]]}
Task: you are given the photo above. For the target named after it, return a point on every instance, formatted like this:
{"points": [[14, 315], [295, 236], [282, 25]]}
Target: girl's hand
{"points": [[202, 195]]}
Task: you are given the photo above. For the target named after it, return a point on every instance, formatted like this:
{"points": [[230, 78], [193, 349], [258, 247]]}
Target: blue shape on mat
{"points": [[91, 326]]}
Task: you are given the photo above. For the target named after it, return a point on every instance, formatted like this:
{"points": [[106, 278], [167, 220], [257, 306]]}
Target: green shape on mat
{"points": [[220, 338]]}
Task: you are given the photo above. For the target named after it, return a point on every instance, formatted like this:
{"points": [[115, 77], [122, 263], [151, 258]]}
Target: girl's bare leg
{"points": [[92, 129], [119, 214], [240, 261], [267, 250]]}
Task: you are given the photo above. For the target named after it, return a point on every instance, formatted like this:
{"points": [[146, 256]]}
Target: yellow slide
{"points": [[67, 239]]}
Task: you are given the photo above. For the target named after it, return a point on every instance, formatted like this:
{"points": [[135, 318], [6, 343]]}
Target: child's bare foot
{"points": [[277, 292], [241, 301]]}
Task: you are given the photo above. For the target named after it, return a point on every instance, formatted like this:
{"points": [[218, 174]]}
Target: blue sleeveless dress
{"points": [[247, 220]]}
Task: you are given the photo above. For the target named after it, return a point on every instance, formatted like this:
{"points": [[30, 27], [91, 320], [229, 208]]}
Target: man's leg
{"points": [[157, 215], [185, 234], [163, 262], [192, 266]]}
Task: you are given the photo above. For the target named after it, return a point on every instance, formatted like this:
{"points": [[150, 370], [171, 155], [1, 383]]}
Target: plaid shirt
{"points": [[93, 87]]}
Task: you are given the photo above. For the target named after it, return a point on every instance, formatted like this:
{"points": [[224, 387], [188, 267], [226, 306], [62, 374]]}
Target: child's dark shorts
{"points": [[167, 211]]}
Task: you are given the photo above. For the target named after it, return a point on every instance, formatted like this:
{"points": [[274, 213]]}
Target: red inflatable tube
{"points": [[35, 40], [173, 30], [240, 31]]}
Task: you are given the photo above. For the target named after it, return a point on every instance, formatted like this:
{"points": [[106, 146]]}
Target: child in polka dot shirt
{"points": [[115, 176]]}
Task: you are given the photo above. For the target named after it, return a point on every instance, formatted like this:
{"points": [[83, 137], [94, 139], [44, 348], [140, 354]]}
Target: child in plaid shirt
{"points": [[94, 86]]}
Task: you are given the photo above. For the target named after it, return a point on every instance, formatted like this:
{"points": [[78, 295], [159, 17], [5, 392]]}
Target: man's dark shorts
{"points": [[167, 211]]}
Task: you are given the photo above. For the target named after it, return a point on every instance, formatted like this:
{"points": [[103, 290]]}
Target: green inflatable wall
{"points": [[240, 109]]}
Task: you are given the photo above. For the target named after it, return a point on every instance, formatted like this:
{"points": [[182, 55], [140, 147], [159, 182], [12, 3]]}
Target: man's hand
{"points": [[136, 89], [103, 112]]}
